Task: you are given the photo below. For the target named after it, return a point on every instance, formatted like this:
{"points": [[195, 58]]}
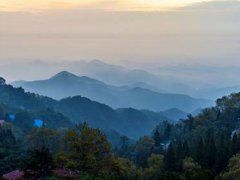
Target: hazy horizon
{"points": [[191, 42], [120, 89], [201, 33]]}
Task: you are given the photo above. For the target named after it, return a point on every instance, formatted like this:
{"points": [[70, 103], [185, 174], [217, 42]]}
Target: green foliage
{"points": [[192, 170], [144, 148], [170, 160], [233, 171], [196, 148], [43, 137], [23, 121], [123, 169], [125, 148], [154, 171], [157, 138], [17, 98], [2, 81], [39, 164], [7, 139], [10, 150], [87, 150], [11, 159]]}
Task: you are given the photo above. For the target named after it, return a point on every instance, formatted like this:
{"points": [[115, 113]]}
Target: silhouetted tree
{"points": [[39, 164], [2, 81], [234, 145], [157, 138], [170, 159], [200, 151]]}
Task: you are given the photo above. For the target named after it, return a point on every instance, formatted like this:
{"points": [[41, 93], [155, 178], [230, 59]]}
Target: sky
{"points": [[119, 5], [134, 33]]}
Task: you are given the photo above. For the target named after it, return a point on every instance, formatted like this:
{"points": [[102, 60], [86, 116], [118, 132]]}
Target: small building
{"points": [[38, 123], [12, 117], [2, 122], [235, 131], [14, 175], [59, 173], [64, 173]]}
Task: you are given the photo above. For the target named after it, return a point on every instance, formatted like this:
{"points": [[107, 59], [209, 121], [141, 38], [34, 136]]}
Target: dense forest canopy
{"points": [[204, 146], [80, 109]]}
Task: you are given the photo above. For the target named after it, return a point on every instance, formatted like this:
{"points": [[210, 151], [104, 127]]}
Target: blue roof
{"points": [[38, 123], [12, 117]]}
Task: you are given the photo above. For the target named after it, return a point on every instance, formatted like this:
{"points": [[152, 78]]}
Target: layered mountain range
{"points": [[65, 84]]}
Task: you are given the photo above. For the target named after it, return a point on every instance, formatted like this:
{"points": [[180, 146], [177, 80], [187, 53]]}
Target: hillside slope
{"points": [[65, 84], [79, 109]]}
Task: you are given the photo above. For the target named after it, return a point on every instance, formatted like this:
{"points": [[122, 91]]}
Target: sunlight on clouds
{"points": [[162, 4], [39, 5]]}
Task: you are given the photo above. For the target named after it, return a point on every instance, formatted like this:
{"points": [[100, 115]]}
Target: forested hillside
{"points": [[202, 147], [41, 137], [79, 109], [114, 96], [119, 90]]}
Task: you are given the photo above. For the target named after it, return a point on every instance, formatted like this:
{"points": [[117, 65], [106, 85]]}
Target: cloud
{"points": [[181, 36], [112, 5], [214, 5]]}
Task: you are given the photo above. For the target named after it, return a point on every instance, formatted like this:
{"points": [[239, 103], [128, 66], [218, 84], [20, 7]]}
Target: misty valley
{"points": [[77, 127], [119, 90]]}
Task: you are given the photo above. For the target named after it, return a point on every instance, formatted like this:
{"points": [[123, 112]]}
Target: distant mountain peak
{"points": [[67, 76], [174, 110], [96, 61], [64, 74]]}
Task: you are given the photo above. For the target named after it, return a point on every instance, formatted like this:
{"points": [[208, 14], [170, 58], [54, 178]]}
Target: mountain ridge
{"points": [[81, 109], [114, 96]]}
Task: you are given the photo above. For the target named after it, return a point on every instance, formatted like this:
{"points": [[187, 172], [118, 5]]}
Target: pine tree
{"points": [[210, 152], [190, 122], [221, 157], [185, 151], [238, 144], [200, 152], [234, 144], [124, 146], [157, 138], [170, 159], [179, 150], [39, 165]]}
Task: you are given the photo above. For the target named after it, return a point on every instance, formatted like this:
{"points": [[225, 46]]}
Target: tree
{"points": [[189, 122], [124, 142], [7, 139], [39, 138], [157, 138], [222, 155], [10, 150], [200, 151], [234, 145], [87, 150], [2, 81], [23, 121], [167, 130], [210, 149], [124, 147], [123, 169], [143, 150], [233, 171], [170, 159], [39, 164], [155, 167], [192, 170], [185, 150]]}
